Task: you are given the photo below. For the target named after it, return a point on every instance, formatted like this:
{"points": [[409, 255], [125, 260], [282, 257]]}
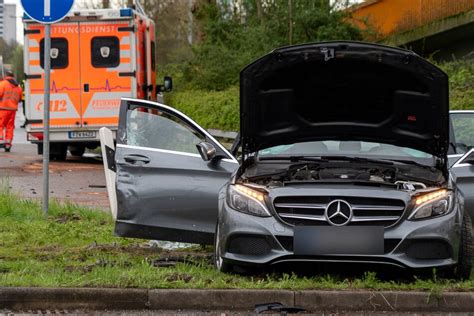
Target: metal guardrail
{"points": [[222, 134]]}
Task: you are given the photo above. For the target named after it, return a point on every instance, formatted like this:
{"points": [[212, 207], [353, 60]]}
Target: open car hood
{"points": [[344, 91]]}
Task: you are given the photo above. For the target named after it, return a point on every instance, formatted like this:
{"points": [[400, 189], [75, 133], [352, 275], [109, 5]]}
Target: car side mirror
{"points": [[468, 158], [206, 150], [167, 85]]}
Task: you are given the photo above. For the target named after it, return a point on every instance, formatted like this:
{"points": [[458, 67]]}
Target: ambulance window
{"points": [[59, 53], [105, 52], [153, 56]]}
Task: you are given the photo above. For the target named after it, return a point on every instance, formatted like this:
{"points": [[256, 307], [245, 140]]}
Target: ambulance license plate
{"points": [[82, 134]]}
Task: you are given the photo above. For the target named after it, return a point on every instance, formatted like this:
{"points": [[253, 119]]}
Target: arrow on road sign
{"points": [[47, 11], [47, 7]]}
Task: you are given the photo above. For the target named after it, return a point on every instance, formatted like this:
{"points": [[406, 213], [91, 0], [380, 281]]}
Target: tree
{"points": [[236, 32], [17, 63], [174, 27], [7, 49]]}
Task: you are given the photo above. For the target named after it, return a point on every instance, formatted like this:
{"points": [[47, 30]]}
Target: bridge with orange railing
{"points": [[442, 28]]}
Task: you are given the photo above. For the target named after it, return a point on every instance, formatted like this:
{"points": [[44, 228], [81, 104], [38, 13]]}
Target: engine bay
{"points": [[409, 178]]}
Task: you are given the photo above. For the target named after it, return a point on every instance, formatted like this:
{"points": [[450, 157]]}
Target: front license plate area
{"points": [[353, 240], [82, 134]]}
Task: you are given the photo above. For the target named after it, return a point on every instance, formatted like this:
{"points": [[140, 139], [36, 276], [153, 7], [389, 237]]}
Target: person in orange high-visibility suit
{"points": [[10, 95]]}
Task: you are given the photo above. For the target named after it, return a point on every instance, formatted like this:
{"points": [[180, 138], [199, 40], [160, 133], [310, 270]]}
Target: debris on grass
{"points": [[168, 245], [179, 277], [173, 259], [67, 218]]}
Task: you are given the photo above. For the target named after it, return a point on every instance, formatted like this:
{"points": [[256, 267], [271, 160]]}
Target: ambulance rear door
{"points": [[140, 37], [65, 105], [107, 70]]}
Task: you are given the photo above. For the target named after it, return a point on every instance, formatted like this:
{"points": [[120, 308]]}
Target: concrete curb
{"points": [[163, 299], [23, 298]]}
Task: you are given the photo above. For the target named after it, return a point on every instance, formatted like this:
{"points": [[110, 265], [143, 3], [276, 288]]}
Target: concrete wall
{"points": [[446, 39], [394, 16], [441, 29]]}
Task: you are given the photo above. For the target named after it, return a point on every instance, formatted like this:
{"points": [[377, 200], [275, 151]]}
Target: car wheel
{"points": [[466, 250], [77, 151], [219, 262], [57, 152], [58, 156]]}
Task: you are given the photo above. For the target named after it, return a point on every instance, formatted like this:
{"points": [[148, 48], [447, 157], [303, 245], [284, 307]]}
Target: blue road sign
{"points": [[47, 11]]}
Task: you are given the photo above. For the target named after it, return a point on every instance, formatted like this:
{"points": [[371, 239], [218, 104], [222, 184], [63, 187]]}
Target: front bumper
{"points": [[251, 240]]}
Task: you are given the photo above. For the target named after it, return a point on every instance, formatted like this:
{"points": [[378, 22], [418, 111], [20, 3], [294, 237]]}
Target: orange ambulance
{"points": [[97, 57]]}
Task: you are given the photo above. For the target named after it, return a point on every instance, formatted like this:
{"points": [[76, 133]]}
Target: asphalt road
{"points": [[79, 180], [213, 313]]}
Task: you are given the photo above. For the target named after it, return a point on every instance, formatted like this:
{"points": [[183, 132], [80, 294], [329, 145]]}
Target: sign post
{"points": [[46, 12], [46, 108]]}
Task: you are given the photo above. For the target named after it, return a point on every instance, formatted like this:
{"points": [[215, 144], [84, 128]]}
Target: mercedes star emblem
{"points": [[338, 213]]}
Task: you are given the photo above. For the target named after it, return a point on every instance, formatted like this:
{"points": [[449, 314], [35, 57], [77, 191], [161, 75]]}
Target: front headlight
{"points": [[432, 204], [247, 200]]}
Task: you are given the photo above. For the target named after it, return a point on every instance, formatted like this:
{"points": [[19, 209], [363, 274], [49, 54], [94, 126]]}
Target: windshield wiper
{"points": [[382, 161], [411, 162], [322, 159], [358, 159]]}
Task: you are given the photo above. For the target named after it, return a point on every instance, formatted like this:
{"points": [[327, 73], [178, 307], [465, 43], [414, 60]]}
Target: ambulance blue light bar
{"points": [[126, 12]]}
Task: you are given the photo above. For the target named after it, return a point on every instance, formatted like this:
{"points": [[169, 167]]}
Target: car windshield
{"points": [[349, 149]]}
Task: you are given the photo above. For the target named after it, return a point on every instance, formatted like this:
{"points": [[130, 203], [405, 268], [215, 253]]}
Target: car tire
{"points": [[219, 262], [77, 151], [57, 152], [463, 268]]}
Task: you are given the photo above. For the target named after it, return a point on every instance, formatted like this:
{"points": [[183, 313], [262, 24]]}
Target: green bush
{"points": [[461, 83], [233, 36], [220, 109], [210, 109]]}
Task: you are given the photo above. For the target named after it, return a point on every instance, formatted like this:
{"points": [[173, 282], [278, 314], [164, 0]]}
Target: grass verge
{"points": [[75, 247]]}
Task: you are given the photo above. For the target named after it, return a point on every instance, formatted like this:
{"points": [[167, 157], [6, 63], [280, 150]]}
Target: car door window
{"points": [[152, 128], [463, 124]]}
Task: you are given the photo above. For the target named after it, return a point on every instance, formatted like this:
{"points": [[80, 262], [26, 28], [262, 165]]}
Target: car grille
{"points": [[304, 210]]}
